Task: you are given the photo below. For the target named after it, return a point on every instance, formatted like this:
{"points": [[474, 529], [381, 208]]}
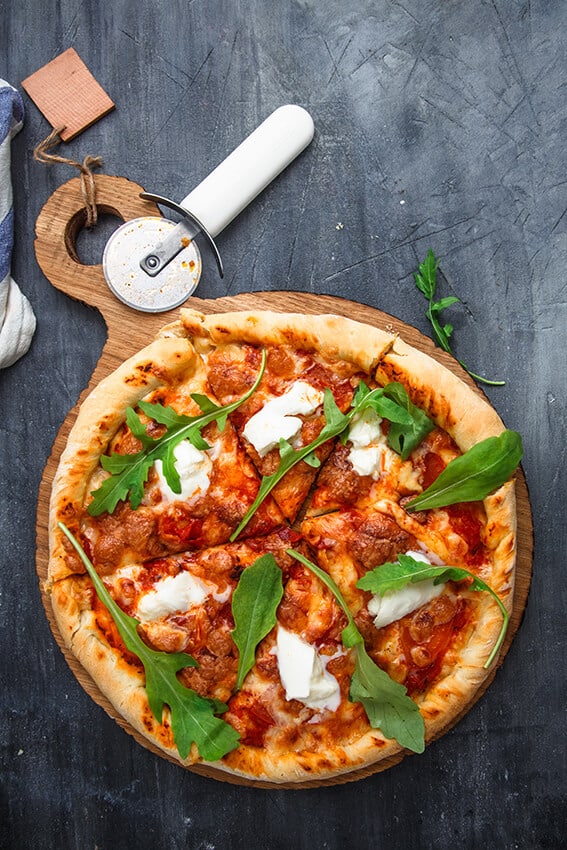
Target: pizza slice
{"points": [[421, 633], [180, 607], [289, 402], [122, 499]]}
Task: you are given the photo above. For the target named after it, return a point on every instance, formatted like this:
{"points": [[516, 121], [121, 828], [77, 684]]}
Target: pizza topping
{"points": [[369, 454], [473, 475], [407, 432], [394, 604], [387, 705], [193, 718], [278, 419], [176, 593], [125, 536], [427, 637], [254, 604], [251, 717], [467, 520], [395, 576], [425, 621], [129, 472], [376, 538], [194, 469], [303, 672], [338, 483]]}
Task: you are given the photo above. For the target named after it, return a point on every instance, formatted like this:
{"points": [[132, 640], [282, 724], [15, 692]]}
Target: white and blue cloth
{"points": [[17, 319]]}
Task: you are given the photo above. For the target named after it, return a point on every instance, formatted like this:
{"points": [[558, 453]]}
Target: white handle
{"points": [[249, 168]]}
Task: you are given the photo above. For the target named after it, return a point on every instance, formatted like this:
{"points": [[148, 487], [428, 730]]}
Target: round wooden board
{"points": [[130, 330]]}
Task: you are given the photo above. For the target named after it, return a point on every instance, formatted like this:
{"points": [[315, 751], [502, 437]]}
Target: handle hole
{"points": [[87, 246]]}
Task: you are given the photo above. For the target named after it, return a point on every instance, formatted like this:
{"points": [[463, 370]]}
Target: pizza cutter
{"points": [[154, 264]]}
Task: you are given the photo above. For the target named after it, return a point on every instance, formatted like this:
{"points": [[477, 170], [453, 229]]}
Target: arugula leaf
{"points": [[387, 705], [254, 602], [378, 400], [129, 472], [193, 717], [426, 281], [404, 438], [472, 476], [390, 577]]}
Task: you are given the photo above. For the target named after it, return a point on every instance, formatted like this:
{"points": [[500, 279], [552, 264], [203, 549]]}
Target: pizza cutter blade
{"points": [[153, 264]]}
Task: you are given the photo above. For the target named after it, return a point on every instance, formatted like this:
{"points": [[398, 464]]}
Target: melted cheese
{"points": [[176, 593], [278, 419], [370, 453], [396, 604], [303, 673], [194, 469]]}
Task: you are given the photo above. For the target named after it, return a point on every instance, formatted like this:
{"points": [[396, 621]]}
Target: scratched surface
{"points": [[438, 124]]}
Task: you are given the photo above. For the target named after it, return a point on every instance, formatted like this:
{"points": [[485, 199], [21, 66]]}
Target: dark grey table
{"points": [[439, 123]]}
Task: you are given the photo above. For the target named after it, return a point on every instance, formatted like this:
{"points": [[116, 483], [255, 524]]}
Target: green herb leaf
{"points": [[193, 718], [472, 476], [254, 603], [387, 705], [408, 424], [404, 437], [129, 472], [391, 577], [426, 276], [426, 281], [208, 406]]}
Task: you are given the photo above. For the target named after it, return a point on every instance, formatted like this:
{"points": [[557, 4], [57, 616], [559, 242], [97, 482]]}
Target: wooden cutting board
{"points": [[57, 228]]}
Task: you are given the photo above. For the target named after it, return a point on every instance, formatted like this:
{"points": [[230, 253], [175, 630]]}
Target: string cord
{"points": [[88, 186]]}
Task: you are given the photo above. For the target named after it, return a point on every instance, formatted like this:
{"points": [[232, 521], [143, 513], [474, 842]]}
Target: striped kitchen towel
{"points": [[17, 320]]}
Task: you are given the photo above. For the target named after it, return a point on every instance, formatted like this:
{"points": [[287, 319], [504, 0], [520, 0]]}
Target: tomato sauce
{"points": [[467, 522], [110, 631], [433, 466], [179, 526], [420, 676], [250, 718]]}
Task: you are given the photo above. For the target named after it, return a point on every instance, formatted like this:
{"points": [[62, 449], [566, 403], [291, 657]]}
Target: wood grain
{"points": [[68, 95], [129, 330]]}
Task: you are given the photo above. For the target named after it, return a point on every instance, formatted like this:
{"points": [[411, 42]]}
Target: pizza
{"points": [[284, 546]]}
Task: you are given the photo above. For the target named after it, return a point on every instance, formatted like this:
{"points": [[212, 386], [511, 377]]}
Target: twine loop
{"points": [[88, 187]]}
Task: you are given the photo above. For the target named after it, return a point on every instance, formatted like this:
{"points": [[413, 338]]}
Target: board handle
{"points": [[62, 218]]}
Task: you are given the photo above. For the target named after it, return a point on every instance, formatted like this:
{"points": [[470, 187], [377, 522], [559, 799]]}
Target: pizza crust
{"points": [[446, 399], [122, 683], [334, 337]]}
